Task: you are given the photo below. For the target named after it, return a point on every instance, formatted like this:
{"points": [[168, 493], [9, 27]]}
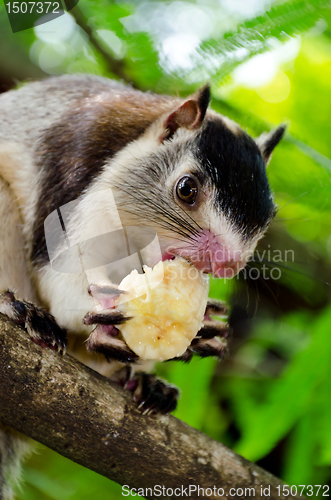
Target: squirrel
{"points": [[84, 157]]}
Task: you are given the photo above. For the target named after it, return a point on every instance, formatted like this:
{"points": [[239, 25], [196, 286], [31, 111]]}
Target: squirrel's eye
{"points": [[187, 189]]}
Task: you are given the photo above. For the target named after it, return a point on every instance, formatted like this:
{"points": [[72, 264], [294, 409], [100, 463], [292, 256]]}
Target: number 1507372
{"points": [[33, 7], [307, 490]]}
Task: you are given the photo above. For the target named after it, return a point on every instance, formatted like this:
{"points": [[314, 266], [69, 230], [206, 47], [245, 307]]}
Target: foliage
{"points": [[270, 400]]}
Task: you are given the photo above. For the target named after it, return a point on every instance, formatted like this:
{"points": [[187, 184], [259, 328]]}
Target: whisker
{"points": [[290, 218], [291, 201], [287, 268], [153, 205], [263, 281], [191, 218], [175, 219], [247, 294], [164, 225], [302, 194]]}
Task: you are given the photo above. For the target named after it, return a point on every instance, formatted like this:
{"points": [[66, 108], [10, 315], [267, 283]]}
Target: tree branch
{"points": [[83, 416], [115, 66]]}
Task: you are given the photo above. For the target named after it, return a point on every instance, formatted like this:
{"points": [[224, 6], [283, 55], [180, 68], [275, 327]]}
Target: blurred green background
{"points": [[268, 63]]}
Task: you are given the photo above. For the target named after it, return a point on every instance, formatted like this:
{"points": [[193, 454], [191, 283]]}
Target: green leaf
{"points": [[219, 57], [299, 462], [290, 395], [322, 424], [194, 380]]}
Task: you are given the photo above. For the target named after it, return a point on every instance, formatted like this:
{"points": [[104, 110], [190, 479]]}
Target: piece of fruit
{"points": [[166, 305]]}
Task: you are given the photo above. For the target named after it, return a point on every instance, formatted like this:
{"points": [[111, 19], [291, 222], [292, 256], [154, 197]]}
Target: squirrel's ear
{"points": [[190, 114], [268, 141]]}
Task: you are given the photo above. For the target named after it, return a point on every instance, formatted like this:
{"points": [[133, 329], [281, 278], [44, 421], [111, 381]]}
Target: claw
{"points": [[104, 290], [216, 308], [106, 295], [108, 317], [153, 395], [213, 328], [38, 323], [210, 347], [111, 347], [207, 341], [186, 357]]}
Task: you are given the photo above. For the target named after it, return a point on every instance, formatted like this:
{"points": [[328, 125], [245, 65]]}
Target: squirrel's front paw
{"points": [[212, 338], [104, 339], [37, 322]]}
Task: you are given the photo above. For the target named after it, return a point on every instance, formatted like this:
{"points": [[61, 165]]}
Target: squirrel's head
{"points": [[200, 181]]}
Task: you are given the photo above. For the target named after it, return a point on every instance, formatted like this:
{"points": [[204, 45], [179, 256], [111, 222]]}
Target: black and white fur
{"points": [[114, 155]]}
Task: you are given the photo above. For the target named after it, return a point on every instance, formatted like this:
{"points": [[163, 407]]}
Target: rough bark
{"points": [[83, 416]]}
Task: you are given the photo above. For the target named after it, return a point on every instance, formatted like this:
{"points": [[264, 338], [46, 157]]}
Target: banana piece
{"points": [[166, 305]]}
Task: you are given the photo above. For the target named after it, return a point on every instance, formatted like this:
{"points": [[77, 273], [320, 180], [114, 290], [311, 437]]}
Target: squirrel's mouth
{"points": [[217, 270], [209, 255]]}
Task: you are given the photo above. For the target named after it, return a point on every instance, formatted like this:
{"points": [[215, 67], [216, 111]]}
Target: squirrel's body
{"points": [[83, 157]]}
